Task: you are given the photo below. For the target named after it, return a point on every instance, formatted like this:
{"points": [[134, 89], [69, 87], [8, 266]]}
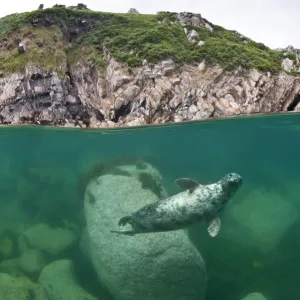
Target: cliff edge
{"points": [[80, 68]]}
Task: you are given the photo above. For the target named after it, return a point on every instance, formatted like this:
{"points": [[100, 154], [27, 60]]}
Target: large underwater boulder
{"points": [[147, 266], [259, 221], [59, 280]]}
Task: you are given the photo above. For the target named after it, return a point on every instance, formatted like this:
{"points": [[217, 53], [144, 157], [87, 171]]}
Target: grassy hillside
{"points": [[58, 35]]}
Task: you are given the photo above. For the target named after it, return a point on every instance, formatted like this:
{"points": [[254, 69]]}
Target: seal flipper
{"points": [[125, 220], [187, 184], [214, 226], [122, 222]]}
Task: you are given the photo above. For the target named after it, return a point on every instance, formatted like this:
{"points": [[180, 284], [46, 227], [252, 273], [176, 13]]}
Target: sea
{"points": [[63, 190]]}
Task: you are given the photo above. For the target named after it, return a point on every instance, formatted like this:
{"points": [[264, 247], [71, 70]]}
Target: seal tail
{"points": [[125, 232]]}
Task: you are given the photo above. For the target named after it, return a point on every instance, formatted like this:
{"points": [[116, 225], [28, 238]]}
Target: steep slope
{"points": [[76, 67]]}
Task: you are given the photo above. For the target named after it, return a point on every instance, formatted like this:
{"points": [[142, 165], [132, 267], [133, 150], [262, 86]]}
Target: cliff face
{"points": [[87, 93], [89, 97]]}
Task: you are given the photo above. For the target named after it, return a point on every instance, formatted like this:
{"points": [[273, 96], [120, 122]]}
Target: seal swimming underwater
{"points": [[195, 204]]}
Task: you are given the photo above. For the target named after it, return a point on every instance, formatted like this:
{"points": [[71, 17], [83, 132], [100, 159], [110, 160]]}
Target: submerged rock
{"points": [[32, 261], [23, 245], [263, 219], [11, 267], [20, 289], [254, 296], [60, 282], [8, 244], [147, 266], [51, 240]]}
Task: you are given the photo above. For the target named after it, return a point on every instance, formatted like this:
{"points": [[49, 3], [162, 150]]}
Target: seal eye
{"points": [[232, 177]]}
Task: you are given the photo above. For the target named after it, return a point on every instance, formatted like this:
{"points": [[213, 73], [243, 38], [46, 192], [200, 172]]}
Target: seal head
{"points": [[230, 183]]}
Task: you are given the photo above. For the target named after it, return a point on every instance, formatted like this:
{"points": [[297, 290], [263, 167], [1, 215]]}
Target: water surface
{"points": [[258, 247]]}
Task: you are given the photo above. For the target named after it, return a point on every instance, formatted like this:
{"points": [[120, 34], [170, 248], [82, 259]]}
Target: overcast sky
{"points": [[275, 23]]}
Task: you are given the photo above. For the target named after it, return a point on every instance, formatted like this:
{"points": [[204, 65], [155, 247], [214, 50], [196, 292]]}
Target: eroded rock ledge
{"points": [[116, 96]]}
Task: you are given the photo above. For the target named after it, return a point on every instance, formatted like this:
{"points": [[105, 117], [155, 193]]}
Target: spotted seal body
{"points": [[195, 204]]}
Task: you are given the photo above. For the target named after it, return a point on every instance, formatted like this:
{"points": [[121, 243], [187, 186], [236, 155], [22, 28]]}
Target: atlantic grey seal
{"points": [[197, 203]]}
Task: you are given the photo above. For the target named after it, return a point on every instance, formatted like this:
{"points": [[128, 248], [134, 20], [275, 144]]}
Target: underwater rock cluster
{"points": [[70, 258], [36, 256], [37, 273], [46, 258]]}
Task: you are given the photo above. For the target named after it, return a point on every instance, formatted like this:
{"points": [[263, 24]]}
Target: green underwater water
{"points": [[44, 173]]}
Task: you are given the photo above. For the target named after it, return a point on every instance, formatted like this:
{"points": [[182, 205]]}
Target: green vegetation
{"points": [[50, 55], [13, 22], [230, 49], [131, 38], [77, 52]]}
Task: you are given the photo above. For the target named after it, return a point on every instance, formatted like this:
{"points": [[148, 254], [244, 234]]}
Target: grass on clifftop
{"points": [[131, 38], [42, 51]]}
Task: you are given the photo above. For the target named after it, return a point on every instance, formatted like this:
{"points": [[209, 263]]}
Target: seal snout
{"points": [[233, 179]]}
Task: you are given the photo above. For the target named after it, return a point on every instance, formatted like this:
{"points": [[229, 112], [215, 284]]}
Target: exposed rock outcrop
{"points": [[86, 96], [133, 11], [22, 48], [39, 96], [187, 18], [80, 6], [288, 64]]}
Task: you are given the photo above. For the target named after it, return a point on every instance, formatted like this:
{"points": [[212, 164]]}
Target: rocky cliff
{"points": [[73, 67]]}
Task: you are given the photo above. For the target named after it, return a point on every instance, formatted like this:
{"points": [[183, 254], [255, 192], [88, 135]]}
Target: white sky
{"points": [[275, 23]]}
